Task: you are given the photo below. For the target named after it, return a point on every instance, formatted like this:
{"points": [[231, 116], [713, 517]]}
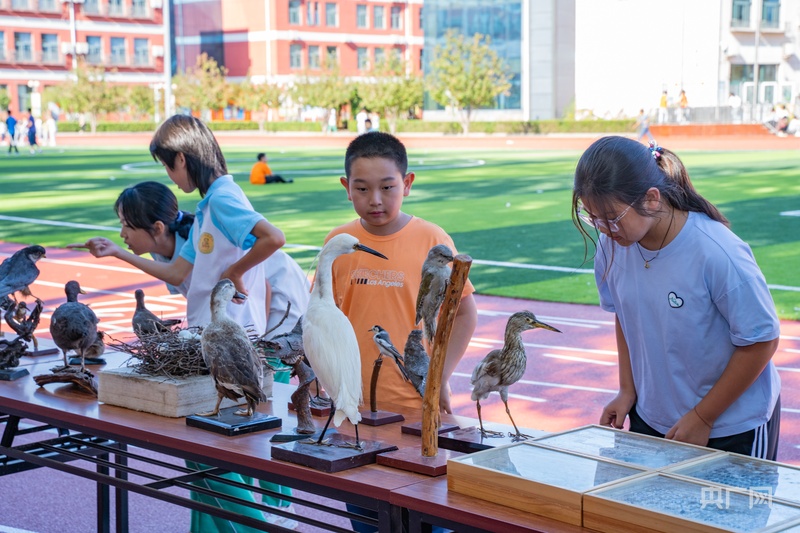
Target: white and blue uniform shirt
{"points": [[682, 318], [289, 285], [220, 236], [183, 288]]}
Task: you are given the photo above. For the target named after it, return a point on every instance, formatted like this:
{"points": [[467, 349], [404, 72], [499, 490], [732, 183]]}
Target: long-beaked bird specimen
{"points": [[73, 325], [432, 288], [502, 368], [416, 361], [230, 356], [17, 272], [329, 340], [145, 322]]}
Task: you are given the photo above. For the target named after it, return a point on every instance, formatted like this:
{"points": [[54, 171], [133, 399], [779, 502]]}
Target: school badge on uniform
{"points": [[206, 243]]}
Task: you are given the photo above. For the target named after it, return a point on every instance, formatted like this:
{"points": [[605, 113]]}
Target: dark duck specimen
{"points": [[502, 368], [73, 325], [17, 272], [230, 356], [146, 323], [416, 361], [432, 288]]}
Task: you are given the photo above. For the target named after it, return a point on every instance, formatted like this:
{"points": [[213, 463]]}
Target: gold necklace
{"points": [[648, 261]]}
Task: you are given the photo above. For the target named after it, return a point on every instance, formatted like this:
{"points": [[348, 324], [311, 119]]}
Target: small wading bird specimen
{"points": [[17, 272], [416, 361], [502, 368], [229, 354], [73, 325], [146, 323], [329, 340], [432, 288]]}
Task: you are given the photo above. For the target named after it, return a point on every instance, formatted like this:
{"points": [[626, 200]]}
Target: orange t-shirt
{"points": [[259, 173], [373, 291]]}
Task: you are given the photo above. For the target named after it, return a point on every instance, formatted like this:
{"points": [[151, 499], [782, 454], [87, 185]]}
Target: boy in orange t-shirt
{"points": [[373, 291], [261, 174]]}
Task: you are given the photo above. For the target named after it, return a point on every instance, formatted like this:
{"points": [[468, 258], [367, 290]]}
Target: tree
{"points": [[327, 90], [89, 92], [141, 101], [203, 87], [5, 100], [258, 99], [391, 89], [467, 74]]}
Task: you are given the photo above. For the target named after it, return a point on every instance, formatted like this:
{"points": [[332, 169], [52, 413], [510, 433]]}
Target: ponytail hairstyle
{"points": [[148, 202], [620, 169], [183, 134]]}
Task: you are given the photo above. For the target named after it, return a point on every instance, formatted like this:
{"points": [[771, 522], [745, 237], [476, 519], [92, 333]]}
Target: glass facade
{"points": [[95, 52], [501, 20]]}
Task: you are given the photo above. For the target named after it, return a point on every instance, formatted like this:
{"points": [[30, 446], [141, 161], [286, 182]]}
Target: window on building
{"points": [[313, 13], [116, 8], [294, 12], [118, 56], [50, 48], [47, 6], [377, 17], [420, 18], [380, 56], [331, 55], [397, 18], [24, 98], [362, 54], [296, 56], [361, 16], [141, 52], [331, 15], [23, 46], [139, 8], [421, 59], [91, 7], [740, 14], [22, 5], [313, 56], [770, 14], [94, 54], [2, 47]]}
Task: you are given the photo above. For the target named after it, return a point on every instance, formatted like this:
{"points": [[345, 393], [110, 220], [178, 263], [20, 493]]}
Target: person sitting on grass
{"points": [[261, 174]]}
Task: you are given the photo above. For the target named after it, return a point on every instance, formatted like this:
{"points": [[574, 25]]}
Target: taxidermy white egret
{"points": [[329, 340]]}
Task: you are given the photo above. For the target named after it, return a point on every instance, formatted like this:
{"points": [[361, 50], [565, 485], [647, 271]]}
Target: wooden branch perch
{"points": [[430, 402]]}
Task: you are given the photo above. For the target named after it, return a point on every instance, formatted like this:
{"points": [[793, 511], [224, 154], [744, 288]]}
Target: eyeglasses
{"points": [[612, 225]]}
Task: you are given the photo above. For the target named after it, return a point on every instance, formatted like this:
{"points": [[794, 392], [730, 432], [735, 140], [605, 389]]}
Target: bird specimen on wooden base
{"points": [[229, 354], [502, 368], [432, 288], [73, 325], [146, 323], [386, 348], [416, 361], [329, 340], [17, 272]]}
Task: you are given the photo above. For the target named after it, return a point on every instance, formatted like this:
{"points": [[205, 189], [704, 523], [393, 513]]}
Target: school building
{"points": [[41, 40]]}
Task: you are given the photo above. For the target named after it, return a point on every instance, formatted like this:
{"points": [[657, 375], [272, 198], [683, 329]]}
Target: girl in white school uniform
{"points": [[696, 324]]}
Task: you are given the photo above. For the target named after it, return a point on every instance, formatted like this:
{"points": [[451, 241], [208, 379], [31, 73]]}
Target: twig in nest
{"points": [[165, 353]]}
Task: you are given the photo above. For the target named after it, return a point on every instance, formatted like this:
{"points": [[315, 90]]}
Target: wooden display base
{"points": [[230, 424], [470, 440], [294, 435], [89, 361], [415, 428], [323, 412], [412, 460], [380, 418], [330, 457], [10, 374], [40, 353]]}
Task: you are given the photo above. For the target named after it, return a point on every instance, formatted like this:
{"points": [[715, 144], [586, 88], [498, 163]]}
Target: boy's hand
{"points": [[98, 247], [444, 399]]}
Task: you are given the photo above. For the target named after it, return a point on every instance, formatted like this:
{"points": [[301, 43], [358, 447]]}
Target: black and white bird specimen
{"points": [[17, 272], [229, 354], [416, 361], [502, 368], [387, 349], [432, 288], [329, 340], [146, 323], [73, 325]]}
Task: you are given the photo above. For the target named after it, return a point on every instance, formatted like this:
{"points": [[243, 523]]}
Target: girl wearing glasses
{"points": [[696, 325]]}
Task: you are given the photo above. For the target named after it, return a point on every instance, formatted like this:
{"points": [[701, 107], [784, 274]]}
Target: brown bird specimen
{"points": [[73, 325], [502, 368], [17, 272], [145, 322], [230, 356]]}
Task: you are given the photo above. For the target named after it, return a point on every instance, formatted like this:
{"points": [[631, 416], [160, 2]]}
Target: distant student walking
{"points": [[11, 126], [643, 127]]}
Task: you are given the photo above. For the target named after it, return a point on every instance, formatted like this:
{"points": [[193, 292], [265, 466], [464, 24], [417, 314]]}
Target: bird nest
{"points": [[173, 354]]}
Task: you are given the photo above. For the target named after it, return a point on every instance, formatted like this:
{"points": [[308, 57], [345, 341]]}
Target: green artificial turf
{"points": [[499, 206]]}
